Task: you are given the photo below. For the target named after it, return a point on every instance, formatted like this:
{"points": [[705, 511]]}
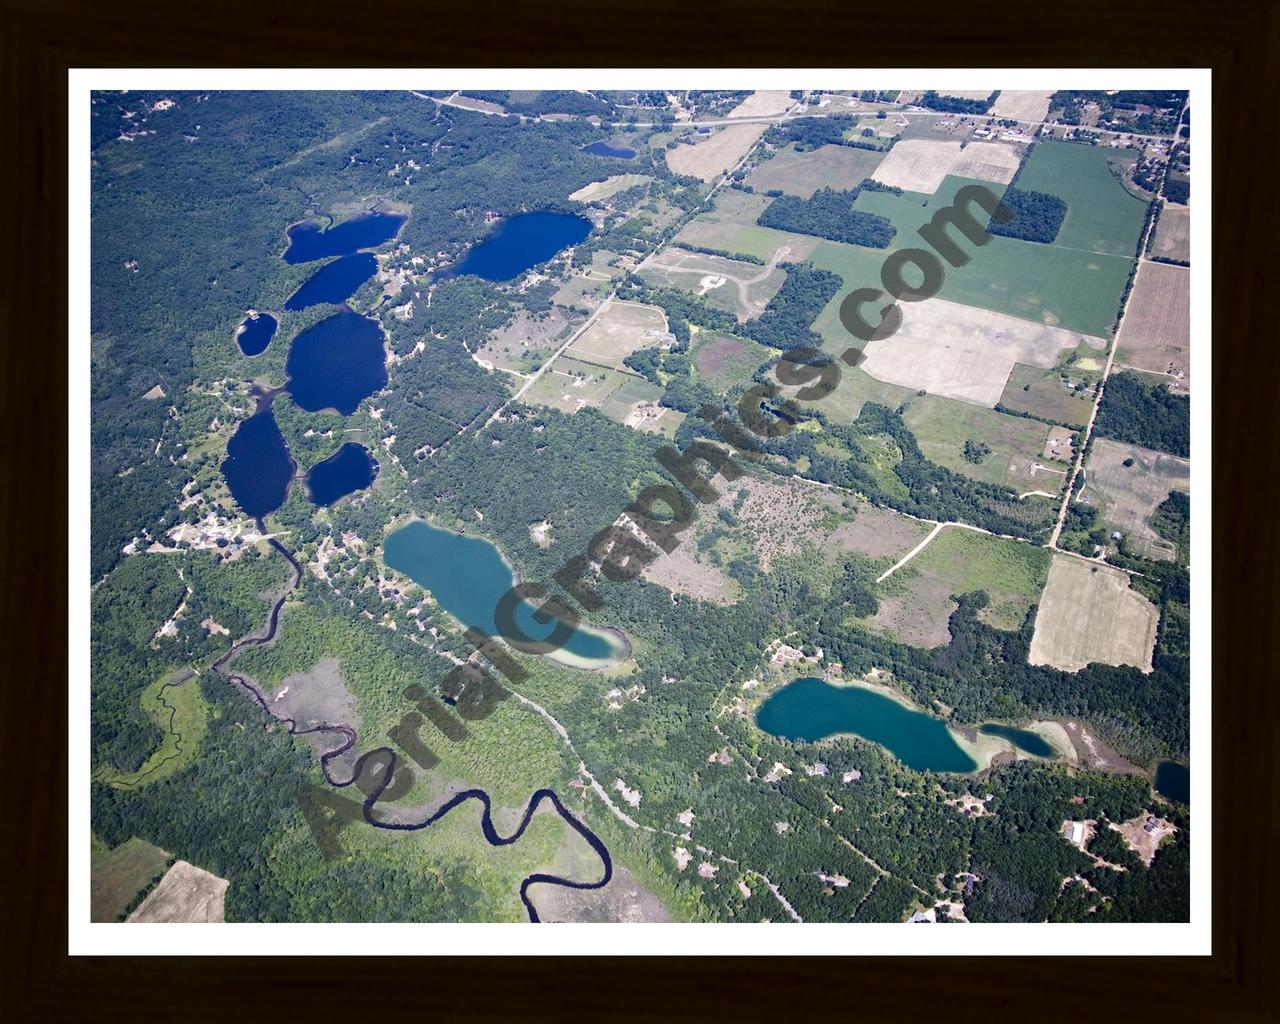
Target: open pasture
{"points": [[620, 329], [1173, 233], [1044, 393], [730, 225], [943, 425], [1155, 334], [1128, 495], [963, 352], [119, 874], [597, 190], [708, 156], [916, 602], [802, 174], [1089, 613], [726, 362]]}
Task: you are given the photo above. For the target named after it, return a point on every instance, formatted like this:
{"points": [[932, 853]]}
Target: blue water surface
{"points": [[258, 467], [255, 334], [521, 242], [351, 469], [309, 241], [334, 282], [337, 363]]}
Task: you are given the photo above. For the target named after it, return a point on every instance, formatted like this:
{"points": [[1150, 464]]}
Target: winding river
{"points": [[383, 762]]}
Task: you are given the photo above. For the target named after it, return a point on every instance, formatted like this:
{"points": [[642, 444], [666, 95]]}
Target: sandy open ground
{"points": [[610, 186], [762, 103], [186, 894], [1155, 334], [1088, 613], [714, 154], [1128, 495], [920, 165], [964, 352], [1023, 104]]}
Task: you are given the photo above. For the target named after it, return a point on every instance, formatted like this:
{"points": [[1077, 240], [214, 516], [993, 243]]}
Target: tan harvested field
{"points": [[713, 154], [1173, 233], [920, 165], [468, 103], [1128, 495], [763, 102], [1155, 334], [802, 174], [186, 894], [610, 186], [743, 289], [1022, 104], [987, 161], [622, 328], [1089, 613], [963, 352], [524, 343]]}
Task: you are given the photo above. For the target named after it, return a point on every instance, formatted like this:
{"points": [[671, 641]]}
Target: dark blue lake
{"points": [[519, 243], [604, 149], [258, 467], [351, 469], [335, 282], [1027, 740], [1173, 781], [468, 576], [311, 242], [812, 709], [337, 363], [255, 334]]}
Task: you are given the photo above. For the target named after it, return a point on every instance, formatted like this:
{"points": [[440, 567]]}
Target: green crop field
{"points": [[1102, 215]]}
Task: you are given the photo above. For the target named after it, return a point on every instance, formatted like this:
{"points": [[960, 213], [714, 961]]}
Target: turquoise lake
{"points": [[468, 576], [811, 709], [1029, 741]]}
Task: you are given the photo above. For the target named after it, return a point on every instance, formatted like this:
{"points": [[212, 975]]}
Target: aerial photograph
{"points": [[624, 506]]}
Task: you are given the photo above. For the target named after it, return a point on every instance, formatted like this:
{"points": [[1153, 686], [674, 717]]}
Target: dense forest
{"points": [[1145, 413], [1037, 216], [956, 104], [829, 213]]}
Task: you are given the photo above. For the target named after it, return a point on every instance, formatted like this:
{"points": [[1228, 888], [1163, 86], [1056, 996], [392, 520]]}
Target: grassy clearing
{"points": [[1013, 574], [730, 225], [118, 876], [724, 362], [1128, 495]]}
